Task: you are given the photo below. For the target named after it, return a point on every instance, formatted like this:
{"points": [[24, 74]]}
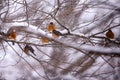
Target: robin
{"points": [[28, 48], [44, 40], [110, 34], [11, 34], [56, 34], [51, 27]]}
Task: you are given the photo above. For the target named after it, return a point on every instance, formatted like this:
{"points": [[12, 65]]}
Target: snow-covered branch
{"points": [[38, 32]]}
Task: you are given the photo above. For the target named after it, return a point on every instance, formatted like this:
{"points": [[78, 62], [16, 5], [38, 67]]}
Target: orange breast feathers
{"points": [[11, 34], [110, 34], [26, 50], [51, 27], [44, 40]]}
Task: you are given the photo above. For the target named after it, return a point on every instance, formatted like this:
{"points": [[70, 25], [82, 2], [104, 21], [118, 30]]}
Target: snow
{"points": [[11, 57], [39, 32], [29, 28], [101, 49]]}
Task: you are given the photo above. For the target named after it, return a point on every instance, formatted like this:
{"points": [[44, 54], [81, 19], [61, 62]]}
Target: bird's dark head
{"points": [[54, 31], [26, 46], [51, 23], [57, 32], [110, 30]]}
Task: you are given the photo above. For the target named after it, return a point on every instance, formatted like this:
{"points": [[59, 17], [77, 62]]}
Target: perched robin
{"points": [[44, 40], [51, 27], [56, 34], [110, 34], [28, 48], [11, 34]]}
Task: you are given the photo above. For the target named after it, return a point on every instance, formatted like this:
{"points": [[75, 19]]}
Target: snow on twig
{"points": [[100, 49]]}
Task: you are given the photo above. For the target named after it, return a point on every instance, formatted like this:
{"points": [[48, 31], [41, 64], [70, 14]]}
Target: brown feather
{"points": [[110, 34], [51, 27]]}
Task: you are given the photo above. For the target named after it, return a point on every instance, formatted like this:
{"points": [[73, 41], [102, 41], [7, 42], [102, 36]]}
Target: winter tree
{"points": [[59, 39]]}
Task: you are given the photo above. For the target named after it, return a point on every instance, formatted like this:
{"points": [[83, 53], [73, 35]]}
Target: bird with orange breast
{"points": [[51, 27], [11, 34], [44, 40], [110, 34], [56, 34], [27, 49]]}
